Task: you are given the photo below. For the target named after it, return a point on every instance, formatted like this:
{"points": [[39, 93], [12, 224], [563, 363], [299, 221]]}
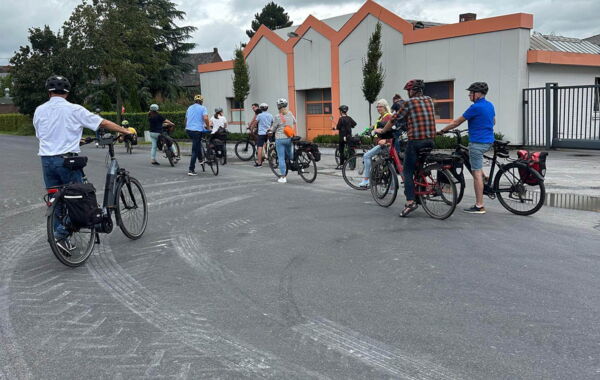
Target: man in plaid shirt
{"points": [[420, 116]]}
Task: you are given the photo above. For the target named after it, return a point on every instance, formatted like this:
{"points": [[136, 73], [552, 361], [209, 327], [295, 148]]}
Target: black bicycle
{"points": [[123, 195], [246, 148], [169, 146], [209, 152], [354, 142], [302, 162], [519, 188]]}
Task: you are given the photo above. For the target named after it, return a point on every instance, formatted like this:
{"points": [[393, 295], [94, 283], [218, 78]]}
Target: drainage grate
{"points": [[573, 201]]}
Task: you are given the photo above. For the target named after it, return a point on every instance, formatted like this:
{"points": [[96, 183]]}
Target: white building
{"points": [[322, 68]]}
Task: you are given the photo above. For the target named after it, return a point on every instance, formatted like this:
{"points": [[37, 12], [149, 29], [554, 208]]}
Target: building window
{"points": [[236, 108], [442, 94], [318, 101], [597, 95]]}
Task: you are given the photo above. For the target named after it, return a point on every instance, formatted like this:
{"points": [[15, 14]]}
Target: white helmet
{"points": [[154, 107], [282, 103], [263, 106]]}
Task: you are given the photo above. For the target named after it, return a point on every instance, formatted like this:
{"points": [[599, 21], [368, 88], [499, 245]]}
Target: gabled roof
{"points": [[190, 78], [564, 44], [594, 39]]}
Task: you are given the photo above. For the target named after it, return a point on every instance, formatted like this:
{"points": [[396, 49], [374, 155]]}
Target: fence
{"points": [[562, 117]]}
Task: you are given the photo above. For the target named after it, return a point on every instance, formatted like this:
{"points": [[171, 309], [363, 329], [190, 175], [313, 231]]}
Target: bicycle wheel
{"points": [[81, 240], [274, 162], [128, 146], [459, 181], [176, 151], [384, 183], [170, 155], [212, 161], [224, 155], [516, 195], [131, 208], [307, 167], [245, 150], [353, 171], [337, 156], [436, 191]]}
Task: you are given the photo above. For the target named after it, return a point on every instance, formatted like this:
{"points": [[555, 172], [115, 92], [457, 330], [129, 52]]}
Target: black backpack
{"points": [[82, 206]]}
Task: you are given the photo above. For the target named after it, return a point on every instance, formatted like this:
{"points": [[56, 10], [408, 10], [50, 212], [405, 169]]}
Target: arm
{"points": [[109, 125], [169, 123], [185, 122], [455, 123], [206, 122]]}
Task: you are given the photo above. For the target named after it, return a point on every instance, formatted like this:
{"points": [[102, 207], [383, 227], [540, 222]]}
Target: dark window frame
{"points": [[450, 100]]}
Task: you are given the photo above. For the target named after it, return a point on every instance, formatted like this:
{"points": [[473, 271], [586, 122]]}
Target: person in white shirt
{"points": [[218, 136], [218, 121], [58, 126]]}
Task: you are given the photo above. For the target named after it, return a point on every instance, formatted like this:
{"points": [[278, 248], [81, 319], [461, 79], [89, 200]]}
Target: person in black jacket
{"points": [[344, 126]]}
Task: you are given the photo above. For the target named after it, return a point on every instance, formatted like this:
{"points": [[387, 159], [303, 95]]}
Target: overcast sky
{"points": [[222, 23]]}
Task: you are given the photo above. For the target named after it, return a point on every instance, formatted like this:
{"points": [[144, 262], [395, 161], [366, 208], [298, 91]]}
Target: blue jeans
{"points": [[368, 157], [196, 137], [284, 150], [154, 139], [410, 163], [55, 174]]}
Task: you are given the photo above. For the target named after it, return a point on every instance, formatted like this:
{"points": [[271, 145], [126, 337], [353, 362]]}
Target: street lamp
{"points": [[296, 35]]}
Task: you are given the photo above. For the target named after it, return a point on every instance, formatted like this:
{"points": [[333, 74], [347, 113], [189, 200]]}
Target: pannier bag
{"points": [[354, 141], [133, 139], [536, 161], [314, 149], [82, 206]]}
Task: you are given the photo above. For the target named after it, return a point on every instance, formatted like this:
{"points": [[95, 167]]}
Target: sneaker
{"points": [[97, 146], [339, 167], [257, 165], [282, 180], [191, 172], [65, 245], [364, 183], [202, 161], [475, 210], [155, 163]]}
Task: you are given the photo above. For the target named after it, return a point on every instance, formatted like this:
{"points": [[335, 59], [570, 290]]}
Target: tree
{"points": [[241, 79], [373, 73], [272, 16]]}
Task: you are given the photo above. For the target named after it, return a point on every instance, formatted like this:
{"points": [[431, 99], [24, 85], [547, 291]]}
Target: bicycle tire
{"points": [[384, 183], [459, 182], [337, 156], [177, 151], [274, 162], [440, 192], [77, 238], [245, 150], [305, 162], [125, 194], [519, 191], [213, 161], [128, 147], [170, 155], [353, 171]]}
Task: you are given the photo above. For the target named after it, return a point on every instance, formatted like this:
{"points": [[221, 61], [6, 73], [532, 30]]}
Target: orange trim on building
{"points": [[563, 58], [215, 66]]}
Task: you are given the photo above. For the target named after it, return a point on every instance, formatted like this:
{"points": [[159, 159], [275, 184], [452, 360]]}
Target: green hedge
{"points": [[441, 142], [17, 124], [139, 121]]}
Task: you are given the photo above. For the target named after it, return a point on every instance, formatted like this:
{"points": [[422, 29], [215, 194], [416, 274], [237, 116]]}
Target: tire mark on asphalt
{"points": [[16, 366]]}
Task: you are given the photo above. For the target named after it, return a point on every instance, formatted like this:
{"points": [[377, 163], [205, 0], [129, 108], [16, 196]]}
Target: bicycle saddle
{"points": [[296, 138], [424, 151], [501, 143]]}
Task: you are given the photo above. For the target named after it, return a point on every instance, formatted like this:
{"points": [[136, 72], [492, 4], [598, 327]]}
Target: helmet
{"points": [[124, 122], [415, 85], [343, 108], [218, 109], [479, 87], [58, 84], [97, 110], [263, 106], [281, 103], [154, 107], [198, 98]]}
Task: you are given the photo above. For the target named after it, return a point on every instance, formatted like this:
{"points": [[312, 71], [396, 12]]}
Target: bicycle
{"points": [[352, 144], [168, 146], [509, 185], [434, 189], [219, 141], [123, 195], [302, 162], [209, 153], [246, 149]]}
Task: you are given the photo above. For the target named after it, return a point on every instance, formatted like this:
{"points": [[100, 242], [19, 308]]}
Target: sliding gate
{"points": [[562, 117]]}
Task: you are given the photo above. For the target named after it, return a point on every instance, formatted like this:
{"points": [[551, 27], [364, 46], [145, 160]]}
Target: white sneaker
{"points": [[282, 180], [364, 183]]}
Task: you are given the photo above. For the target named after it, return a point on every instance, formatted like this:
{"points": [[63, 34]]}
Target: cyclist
{"points": [[58, 126], [265, 120], [253, 125], [196, 124], [400, 124], [218, 124], [383, 108], [344, 126], [131, 136], [156, 121], [481, 118], [419, 113], [283, 127]]}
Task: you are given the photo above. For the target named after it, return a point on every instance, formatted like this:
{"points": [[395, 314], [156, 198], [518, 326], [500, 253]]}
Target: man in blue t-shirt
{"points": [[482, 118], [196, 124], [264, 119]]}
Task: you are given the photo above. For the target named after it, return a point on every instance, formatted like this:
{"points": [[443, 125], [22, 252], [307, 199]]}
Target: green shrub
{"points": [[16, 123]]}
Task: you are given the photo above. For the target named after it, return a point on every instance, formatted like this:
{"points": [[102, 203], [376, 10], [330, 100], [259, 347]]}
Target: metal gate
{"points": [[562, 117]]}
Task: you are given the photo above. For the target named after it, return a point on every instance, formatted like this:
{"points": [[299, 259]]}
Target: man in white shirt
{"points": [[58, 126]]}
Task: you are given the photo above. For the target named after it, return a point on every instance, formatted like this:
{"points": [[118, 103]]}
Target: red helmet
{"points": [[415, 85]]}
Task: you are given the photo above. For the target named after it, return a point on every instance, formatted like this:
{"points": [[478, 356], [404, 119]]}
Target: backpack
{"points": [[536, 161], [82, 206]]}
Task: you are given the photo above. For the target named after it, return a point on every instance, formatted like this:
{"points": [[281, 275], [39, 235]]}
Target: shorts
{"points": [[260, 140], [476, 151]]}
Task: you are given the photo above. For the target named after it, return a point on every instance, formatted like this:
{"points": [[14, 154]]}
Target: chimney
{"points": [[467, 17], [418, 25], [215, 51]]}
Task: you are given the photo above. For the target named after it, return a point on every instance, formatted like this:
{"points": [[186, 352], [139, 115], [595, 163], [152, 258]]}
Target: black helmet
{"points": [[479, 87], [343, 108], [415, 85], [58, 84]]}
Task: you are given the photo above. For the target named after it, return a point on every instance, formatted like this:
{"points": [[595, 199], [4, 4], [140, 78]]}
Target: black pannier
{"points": [[314, 148], [82, 206]]}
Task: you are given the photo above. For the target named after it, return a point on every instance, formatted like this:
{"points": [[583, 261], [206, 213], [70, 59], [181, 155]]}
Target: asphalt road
{"points": [[240, 277]]}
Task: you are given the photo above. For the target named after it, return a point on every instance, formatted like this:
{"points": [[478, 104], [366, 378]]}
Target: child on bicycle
{"points": [[344, 126]]}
